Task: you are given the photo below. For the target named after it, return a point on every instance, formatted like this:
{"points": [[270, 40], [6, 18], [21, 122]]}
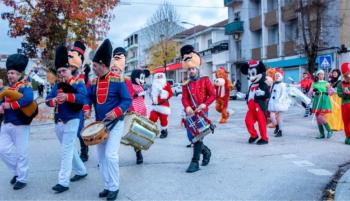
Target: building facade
{"points": [[138, 45], [269, 30]]}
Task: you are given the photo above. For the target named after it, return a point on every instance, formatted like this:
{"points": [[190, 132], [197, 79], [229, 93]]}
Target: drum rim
{"points": [[91, 124]]}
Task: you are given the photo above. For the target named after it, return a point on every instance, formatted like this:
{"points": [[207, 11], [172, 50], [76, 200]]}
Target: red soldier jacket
{"points": [[202, 91]]}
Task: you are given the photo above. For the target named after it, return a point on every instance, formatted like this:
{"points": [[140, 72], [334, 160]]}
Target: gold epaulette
{"points": [[116, 79], [185, 82], [24, 84], [94, 81]]}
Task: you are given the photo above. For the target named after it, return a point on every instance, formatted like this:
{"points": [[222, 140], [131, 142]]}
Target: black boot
{"points": [[59, 188], [84, 149], [13, 180], [103, 193], [252, 140], [163, 133], [19, 185], [112, 195], [276, 129], [279, 133], [139, 158], [194, 165], [206, 155]]}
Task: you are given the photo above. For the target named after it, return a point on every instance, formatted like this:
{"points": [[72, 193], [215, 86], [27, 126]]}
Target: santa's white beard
{"points": [[157, 87]]}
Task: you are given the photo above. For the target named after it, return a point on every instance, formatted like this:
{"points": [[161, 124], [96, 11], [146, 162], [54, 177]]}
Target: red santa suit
{"points": [[160, 94]]}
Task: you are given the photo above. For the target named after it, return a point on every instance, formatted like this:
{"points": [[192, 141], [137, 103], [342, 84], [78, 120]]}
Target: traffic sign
{"points": [[325, 61]]}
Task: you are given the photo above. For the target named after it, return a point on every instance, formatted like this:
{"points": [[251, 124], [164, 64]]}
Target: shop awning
{"points": [[287, 63], [170, 67]]}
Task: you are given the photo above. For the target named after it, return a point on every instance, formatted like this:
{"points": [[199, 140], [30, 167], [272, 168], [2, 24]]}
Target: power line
{"points": [[158, 4]]}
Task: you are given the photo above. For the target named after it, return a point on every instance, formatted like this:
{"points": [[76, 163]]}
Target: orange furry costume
{"points": [[223, 87]]}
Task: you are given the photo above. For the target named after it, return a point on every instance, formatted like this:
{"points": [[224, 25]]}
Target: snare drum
{"points": [[139, 131], [198, 126], [94, 133]]}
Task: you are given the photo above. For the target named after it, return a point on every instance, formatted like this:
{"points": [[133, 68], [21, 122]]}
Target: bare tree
{"points": [[160, 29], [314, 26]]}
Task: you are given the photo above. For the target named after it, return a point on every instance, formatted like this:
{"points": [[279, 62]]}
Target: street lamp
{"points": [[194, 32]]}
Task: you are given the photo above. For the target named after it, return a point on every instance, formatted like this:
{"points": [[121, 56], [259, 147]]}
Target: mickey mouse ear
{"points": [[244, 67], [147, 73]]}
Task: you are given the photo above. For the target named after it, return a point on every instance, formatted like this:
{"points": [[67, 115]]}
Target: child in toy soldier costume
{"points": [[109, 95], [67, 97], [118, 67], [76, 59], [344, 93], [200, 90], [15, 131]]}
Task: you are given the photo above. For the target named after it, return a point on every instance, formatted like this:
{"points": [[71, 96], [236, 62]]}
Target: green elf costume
{"points": [[321, 104]]}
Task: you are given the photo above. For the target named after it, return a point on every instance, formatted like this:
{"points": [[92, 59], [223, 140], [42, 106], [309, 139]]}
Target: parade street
{"points": [[294, 167]]}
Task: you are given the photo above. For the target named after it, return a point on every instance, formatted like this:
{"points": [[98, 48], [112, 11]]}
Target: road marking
{"points": [[320, 172], [289, 156], [303, 163]]}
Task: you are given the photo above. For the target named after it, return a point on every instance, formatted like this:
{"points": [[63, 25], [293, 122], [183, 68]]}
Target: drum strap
{"points": [[110, 124]]}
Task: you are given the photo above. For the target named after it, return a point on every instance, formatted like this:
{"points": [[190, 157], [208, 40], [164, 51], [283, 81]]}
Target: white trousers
{"points": [[14, 149], [70, 160], [109, 157]]}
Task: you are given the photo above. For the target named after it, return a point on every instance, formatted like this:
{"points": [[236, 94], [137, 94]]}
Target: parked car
{"points": [[177, 88], [236, 95]]}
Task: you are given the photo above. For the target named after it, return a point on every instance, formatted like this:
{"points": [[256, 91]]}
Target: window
{"points": [[136, 39], [238, 50], [237, 16], [210, 42]]}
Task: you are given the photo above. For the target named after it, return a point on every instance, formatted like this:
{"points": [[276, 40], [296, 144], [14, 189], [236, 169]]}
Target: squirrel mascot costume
{"points": [[223, 87]]}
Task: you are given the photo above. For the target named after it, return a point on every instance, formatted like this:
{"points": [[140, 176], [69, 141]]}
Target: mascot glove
{"points": [[143, 93], [259, 92], [164, 94]]}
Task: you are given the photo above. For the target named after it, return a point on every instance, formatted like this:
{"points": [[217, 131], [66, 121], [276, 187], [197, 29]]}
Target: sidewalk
{"points": [[342, 192]]}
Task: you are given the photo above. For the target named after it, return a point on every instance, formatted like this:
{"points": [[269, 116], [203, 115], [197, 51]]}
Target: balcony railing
{"points": [[271, 18], [228, 3], [234, 27], [256, 53], [289, 12], [289, 48], [255, 23], [272, 51]]}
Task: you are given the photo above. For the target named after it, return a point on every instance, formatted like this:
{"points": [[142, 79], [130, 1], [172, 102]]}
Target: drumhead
{"points": [[92, 129]]}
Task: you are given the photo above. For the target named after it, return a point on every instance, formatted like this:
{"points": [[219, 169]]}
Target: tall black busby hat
{"points": [[186, 50], [61, 57], [119, 50], [103, 54], [80, 48], [17, 62]]}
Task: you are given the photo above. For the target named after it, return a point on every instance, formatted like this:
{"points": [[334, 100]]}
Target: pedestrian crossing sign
{"points": [[325, 61]]}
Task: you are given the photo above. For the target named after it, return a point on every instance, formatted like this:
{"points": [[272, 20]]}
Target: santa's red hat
{"points": [[345, 68]]}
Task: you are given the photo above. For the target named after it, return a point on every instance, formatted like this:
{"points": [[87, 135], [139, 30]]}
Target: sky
{"points": [[133, 15]]}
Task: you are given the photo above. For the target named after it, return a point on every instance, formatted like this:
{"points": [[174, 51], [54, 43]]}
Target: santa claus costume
{"points": [[343, 90], [256, 99], [161, 92], [279, 102]]}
